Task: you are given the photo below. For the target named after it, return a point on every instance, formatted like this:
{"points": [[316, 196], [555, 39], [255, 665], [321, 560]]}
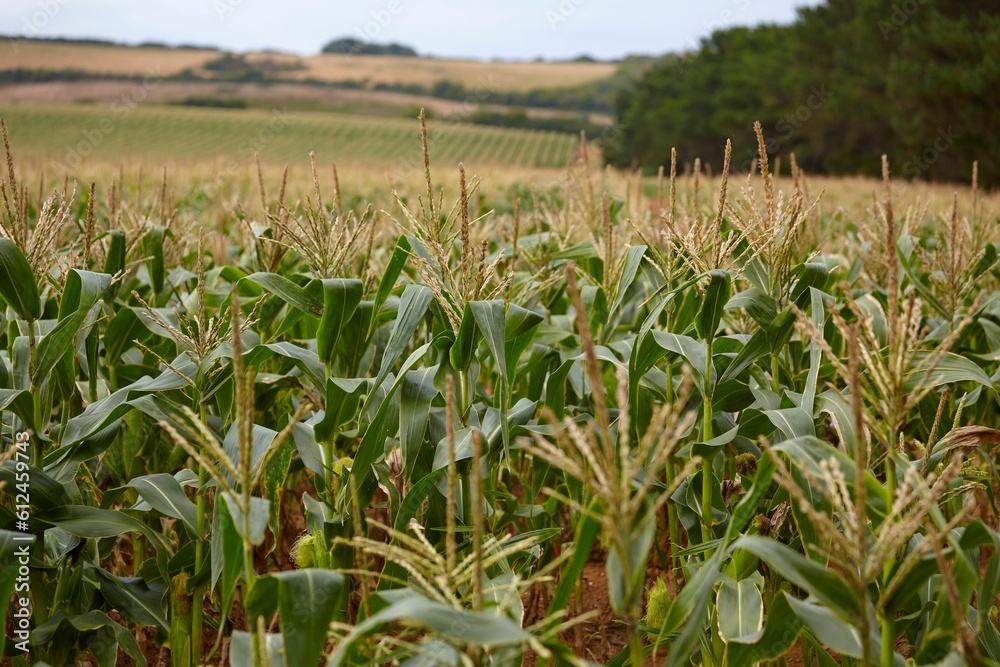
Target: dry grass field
{"points": [[473, 74], [101, 59]]}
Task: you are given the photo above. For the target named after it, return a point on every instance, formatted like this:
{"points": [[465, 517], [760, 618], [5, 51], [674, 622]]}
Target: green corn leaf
{"points": [[114, 259], [165, 495], [400, 254], [717, 294], [781, 629], [306, 601], [413, 305], [832, 630], [133, 596], [479, 628], [340, 299], [740, 609], [932, 369], [17, 282], [289, 292], [630, 269], [87, 521], [97, 620], [760, 305], [152, 248], [83, 290], [226, 552], [414, 411], [373, 443], [241, 649], [824, 584]]}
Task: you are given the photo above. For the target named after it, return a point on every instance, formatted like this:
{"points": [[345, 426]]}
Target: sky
{"points": [[485, 29]]}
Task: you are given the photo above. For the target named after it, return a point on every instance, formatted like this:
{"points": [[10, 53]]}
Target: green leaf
{"points": [[133, 596], [17, 282], [633, 260], [373, 443], [818, 314], [289, 292], [253, 528], [413, 306], [21, 402], [275, 475], [94, 620], [781, 629], [306, 601], [226, 551], [833, 404], [833, 631], [691, 609], [740, 609], [164, 494], [520, 328], [792, 422], [114, 259], [714, 304], [467, 627], [760, 305], [932, 369], [693, 351], [241, 651], [415, 498], [414, 411], [152, 248], [340, 299], [122, 331], [86, 521], [492, 321], [586, 534], [827, 586], [754, 349], [389, 277], [83, 290]]}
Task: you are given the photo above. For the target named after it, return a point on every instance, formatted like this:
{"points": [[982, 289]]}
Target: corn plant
{"points": [[609, 422]]}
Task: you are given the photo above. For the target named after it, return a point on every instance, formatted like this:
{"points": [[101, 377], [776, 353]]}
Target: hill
{"points": [[355, 69]]}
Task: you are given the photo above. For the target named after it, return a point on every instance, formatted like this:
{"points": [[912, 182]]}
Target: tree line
{"points": [[846, 82]]}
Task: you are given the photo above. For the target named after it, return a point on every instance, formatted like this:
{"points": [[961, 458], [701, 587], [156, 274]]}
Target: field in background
{"points": [[292, 96], [507, 76], [71, 135]]}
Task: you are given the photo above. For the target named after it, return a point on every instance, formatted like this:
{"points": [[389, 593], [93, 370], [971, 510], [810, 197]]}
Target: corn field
{"points": [[709, 422]]}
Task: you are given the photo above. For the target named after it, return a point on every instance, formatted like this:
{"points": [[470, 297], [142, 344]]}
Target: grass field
{"points": [[74, 134], [473, 74]]}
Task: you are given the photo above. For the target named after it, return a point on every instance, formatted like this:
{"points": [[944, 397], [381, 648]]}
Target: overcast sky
{"points": [[521, 29]]}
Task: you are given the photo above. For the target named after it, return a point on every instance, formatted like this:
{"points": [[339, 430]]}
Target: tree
{"points": [[848, 81]]}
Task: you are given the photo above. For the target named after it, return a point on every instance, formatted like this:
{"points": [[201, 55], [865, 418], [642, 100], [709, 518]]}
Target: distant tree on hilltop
{"points": [[352, 46]]}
